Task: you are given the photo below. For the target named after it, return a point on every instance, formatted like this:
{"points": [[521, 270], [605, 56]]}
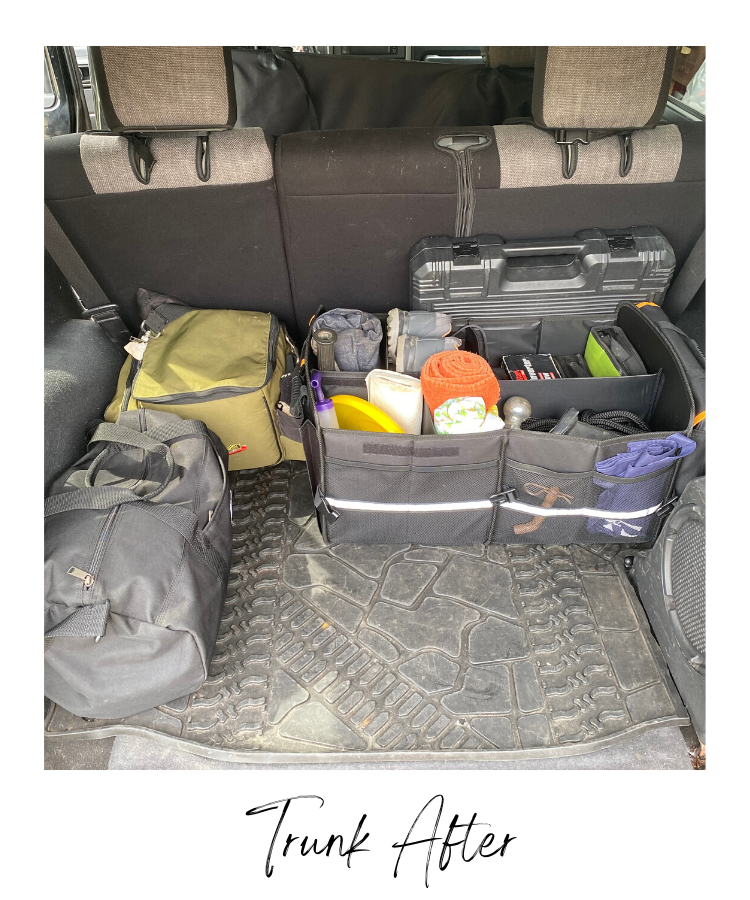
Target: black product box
{"points": [[530, 367]]}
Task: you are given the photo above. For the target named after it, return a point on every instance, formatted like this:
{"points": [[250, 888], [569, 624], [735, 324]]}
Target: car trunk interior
{"points": [[348, 650]]}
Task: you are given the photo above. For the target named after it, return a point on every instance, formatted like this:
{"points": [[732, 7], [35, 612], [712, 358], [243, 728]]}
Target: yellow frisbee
{"points": [[355, 414]]}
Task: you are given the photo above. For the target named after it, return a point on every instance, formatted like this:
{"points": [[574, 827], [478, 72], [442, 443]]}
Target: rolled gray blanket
{"points": [[358, 337]]}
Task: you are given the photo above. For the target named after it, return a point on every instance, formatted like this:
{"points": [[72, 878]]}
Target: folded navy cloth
{"points": [[645, 457], [641, 458], [358, 337], [628, 497]]}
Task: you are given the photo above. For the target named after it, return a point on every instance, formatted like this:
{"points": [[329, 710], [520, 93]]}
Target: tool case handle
{"points": [[544, 248]]}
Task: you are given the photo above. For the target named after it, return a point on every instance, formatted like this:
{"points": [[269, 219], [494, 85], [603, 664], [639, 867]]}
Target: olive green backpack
{"points": [[220, 366]]}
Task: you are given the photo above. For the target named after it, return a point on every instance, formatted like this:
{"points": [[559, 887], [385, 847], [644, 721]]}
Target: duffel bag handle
{"points": [[117, 434], [106, 496]]}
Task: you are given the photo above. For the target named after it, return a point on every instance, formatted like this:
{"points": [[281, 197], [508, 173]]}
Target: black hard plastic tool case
{"points": [[588, 274]]}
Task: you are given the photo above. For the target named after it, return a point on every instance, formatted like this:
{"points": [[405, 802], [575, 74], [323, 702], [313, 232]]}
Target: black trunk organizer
{"points": [[453, 490]]}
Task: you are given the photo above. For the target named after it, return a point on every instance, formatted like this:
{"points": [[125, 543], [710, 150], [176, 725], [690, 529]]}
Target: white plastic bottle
{"points": [[324, 408]]}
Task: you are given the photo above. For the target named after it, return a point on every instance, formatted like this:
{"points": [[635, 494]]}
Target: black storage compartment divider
{"points": [[508, 486], [637, 394]]}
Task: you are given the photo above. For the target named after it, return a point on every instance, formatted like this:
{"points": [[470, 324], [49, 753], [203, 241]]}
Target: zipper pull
{"points": [[85, 577], [136, 346]]}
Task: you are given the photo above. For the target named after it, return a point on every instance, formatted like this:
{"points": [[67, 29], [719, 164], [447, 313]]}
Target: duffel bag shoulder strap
{"points": [[118, 436], [151, 438], [88, 290]]}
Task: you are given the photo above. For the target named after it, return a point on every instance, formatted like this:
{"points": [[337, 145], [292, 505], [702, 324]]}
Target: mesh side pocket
{"points": [[357, 527], [287, 425], [457, 528], [542, 487], [370, 484], [628, 495], [452, 484]]}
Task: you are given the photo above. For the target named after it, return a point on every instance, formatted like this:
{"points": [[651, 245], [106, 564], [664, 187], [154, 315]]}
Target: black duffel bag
{"points": [[137, 548]]}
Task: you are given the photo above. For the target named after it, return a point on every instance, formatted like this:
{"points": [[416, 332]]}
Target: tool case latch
{"points": [[619, 243], [463, 248]]}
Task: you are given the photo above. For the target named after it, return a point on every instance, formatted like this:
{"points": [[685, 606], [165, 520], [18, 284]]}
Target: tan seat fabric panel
{"points": [[529, 157], [237, 157], [153, 88], [600, 87]]}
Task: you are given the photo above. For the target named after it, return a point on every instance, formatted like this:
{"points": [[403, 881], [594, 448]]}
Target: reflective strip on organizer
{"points": [[409, 507], [363, 506]]}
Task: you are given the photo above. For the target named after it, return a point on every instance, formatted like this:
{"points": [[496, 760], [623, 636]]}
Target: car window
{"points": [[50, 86], [423, 54], [689, 78], [695, 95]]}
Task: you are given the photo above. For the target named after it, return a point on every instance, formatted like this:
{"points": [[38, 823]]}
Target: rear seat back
{"points": [[211, 241], [511, 57], [354, 203]]}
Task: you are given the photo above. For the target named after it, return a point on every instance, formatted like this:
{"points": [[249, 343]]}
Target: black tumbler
{"points": [[325, 340]]}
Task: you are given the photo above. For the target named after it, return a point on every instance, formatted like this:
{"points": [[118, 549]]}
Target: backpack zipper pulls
{"points": [[136, 346], [86, 577]]}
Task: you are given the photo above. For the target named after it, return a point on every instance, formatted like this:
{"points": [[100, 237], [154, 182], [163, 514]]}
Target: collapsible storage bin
{"points": [[507, 486]]}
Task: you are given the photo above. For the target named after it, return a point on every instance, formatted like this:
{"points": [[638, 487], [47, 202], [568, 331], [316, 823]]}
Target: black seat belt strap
{"points": [[689, 279], [90, 295]]}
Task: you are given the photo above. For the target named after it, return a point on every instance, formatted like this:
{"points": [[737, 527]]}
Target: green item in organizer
{"points": [[597, 359]]}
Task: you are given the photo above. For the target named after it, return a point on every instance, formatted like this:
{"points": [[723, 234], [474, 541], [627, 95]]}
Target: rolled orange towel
{"points": [[458, 373]]}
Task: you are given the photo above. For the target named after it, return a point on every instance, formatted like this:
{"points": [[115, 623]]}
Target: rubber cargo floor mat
{"points": [[408, 652]]}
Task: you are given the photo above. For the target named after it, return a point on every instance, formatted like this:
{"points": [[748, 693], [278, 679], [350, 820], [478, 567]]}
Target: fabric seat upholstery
{"points": [[214, 243], [81, 366], [354, 202]]}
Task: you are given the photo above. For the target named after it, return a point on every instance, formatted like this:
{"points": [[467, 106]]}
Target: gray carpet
{"points": [[77, 754], [663, 749]]}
